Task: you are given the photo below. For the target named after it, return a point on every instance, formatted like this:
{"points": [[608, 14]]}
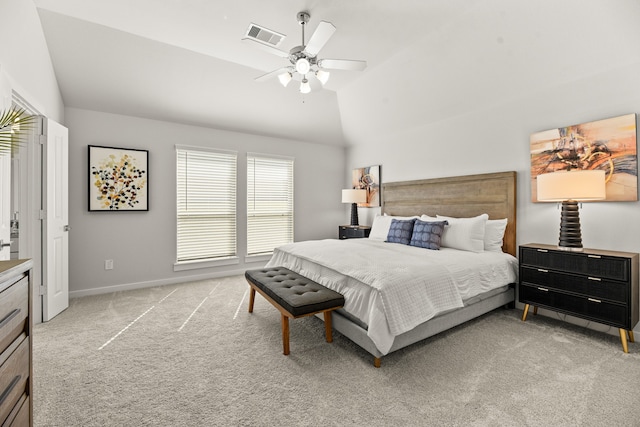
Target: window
{"points": [[206, 204], [269, 203]]}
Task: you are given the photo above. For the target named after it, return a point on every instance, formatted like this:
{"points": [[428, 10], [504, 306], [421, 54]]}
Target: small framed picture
{"points": [[118, 179], [368, 178]]}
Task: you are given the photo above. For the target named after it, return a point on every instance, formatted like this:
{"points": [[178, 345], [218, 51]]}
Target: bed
{"points": [[439, 289]]}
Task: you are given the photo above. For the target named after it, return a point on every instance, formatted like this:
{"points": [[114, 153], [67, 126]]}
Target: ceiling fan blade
{"points": [[320, 37], [266, 47], [342, 64], [272, 74]]}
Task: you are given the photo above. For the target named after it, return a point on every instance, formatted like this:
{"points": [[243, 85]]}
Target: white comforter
{"points": [[393, 287]]}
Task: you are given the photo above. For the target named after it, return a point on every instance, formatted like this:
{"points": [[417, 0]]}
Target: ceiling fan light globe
{"points": [[323, 76], [303, 66], [305, 87], [285, 78]]}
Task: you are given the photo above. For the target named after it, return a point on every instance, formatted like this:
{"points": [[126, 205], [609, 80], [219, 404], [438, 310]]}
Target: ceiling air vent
{"points": [[264, 35]]}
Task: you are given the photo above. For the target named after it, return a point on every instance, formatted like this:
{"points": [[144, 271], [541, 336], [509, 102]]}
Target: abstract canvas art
{"points": [[368, 178], [118, 179], [609, 145]]}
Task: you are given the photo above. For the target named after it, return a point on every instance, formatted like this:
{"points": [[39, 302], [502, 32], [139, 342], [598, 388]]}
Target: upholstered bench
{"points": [[294, 296]]}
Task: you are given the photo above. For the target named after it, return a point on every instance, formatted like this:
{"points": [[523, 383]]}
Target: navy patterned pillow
{"points": [[400, 231], [427, 234]]}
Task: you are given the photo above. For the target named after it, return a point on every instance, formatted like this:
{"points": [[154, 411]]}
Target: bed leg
{"points": [[376, 362]]}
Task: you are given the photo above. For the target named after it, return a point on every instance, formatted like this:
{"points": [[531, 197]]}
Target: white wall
{"points": [[474, 101], [143, 244], [24, 58]]}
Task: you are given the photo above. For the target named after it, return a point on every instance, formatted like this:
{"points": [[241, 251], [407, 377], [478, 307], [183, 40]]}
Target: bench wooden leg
{"points": [[328, 330], [285, 335], [252, 298], [377, 362]]}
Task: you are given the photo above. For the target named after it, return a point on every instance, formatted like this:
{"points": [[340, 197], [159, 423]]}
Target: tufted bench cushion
{"points": [[294, 296], [293, 292]]}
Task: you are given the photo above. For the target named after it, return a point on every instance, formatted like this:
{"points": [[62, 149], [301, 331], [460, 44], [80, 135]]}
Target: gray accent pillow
{"points": [[427, 234], [400, 231]]}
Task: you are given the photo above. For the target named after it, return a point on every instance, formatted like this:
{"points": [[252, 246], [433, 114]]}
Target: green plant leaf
{"points": [[14, 128]]}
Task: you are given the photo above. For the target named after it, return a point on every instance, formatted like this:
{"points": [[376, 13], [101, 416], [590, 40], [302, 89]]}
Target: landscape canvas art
{"points": [[368, 178], [609, 145], [118, 179]]}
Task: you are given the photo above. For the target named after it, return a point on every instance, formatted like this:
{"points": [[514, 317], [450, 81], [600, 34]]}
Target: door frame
{"points": [[30, 204]]}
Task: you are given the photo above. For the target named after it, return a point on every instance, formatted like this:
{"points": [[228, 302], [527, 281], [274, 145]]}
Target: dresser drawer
{"points": [[14, 308], [19, 416], [581, 263], [590, 308], [14, 374], [591, 286]]}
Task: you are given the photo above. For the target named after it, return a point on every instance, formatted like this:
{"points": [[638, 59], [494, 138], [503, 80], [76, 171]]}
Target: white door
{"points": [[55, 203], [5, 206]]}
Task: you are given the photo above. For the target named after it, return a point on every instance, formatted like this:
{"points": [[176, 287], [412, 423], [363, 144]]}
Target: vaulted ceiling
{"points": [[183, 60]]}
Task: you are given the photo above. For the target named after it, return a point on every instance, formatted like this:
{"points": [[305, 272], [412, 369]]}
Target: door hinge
{"points": [[42, 139], [43, 290], [42, 215]]}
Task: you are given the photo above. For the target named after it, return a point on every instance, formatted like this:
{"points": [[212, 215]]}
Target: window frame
{"points": [[290, 210], [187, 264]]}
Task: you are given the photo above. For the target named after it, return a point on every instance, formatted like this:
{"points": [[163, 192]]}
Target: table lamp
{"points": [[354, 196], [571, 187]]}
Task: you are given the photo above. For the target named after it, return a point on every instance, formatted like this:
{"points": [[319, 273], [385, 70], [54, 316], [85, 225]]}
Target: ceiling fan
{"points": [[303, 59]]}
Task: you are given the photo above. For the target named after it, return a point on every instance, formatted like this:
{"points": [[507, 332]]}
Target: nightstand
{"points": [[597, 285], [353, 231]]}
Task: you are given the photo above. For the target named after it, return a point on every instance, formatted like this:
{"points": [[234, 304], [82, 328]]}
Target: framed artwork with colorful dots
{"points": [[118, 179]]}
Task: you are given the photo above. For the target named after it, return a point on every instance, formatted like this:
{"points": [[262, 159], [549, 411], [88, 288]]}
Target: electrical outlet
{"points": [[108, 264]]}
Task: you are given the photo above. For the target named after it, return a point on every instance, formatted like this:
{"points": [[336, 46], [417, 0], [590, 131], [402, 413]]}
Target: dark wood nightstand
{"points": [[597, 285], [353, 231]]}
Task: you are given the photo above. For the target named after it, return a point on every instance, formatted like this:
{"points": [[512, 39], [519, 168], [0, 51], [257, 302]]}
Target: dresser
{"points": [[16, 321], [353, 231], [597, 285]]}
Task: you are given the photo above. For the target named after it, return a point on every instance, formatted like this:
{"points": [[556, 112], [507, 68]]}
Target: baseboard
{"points": [[152, 283]]}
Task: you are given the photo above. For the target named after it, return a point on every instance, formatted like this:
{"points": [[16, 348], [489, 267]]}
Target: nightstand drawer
{"points": [[602, 266], [586, 307], [353, 232], [592, 286]]}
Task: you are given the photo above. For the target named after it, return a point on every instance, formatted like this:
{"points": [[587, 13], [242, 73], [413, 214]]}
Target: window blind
{"points": [[269, 203], [206, 204]]}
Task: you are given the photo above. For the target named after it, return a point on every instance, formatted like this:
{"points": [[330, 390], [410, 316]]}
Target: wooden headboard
{"points": [[458, 196]]}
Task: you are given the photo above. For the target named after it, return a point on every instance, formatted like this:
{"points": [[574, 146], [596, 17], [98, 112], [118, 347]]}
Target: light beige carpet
{"points": [[191, 355]]}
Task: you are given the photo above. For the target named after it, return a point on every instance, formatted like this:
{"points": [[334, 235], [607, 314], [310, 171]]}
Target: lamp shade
{"points": [[305, 87], [579, 185], [354, 196]]}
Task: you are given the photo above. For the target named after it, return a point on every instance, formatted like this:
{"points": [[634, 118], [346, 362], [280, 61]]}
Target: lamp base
{"points": [[570, 234], [354, 214]]}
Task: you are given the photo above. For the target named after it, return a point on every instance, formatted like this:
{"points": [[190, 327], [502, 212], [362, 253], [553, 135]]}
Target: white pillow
{"points": [[493, 234], [427, 218], [381, 224], [466, 234]]}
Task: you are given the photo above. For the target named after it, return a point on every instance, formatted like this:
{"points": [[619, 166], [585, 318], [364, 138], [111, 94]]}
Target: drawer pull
{"points": [[597, 279], [543, 289], [594, 300], [542, 250], [9, 316], [542, 270], [9, 388], [594, 256]]}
